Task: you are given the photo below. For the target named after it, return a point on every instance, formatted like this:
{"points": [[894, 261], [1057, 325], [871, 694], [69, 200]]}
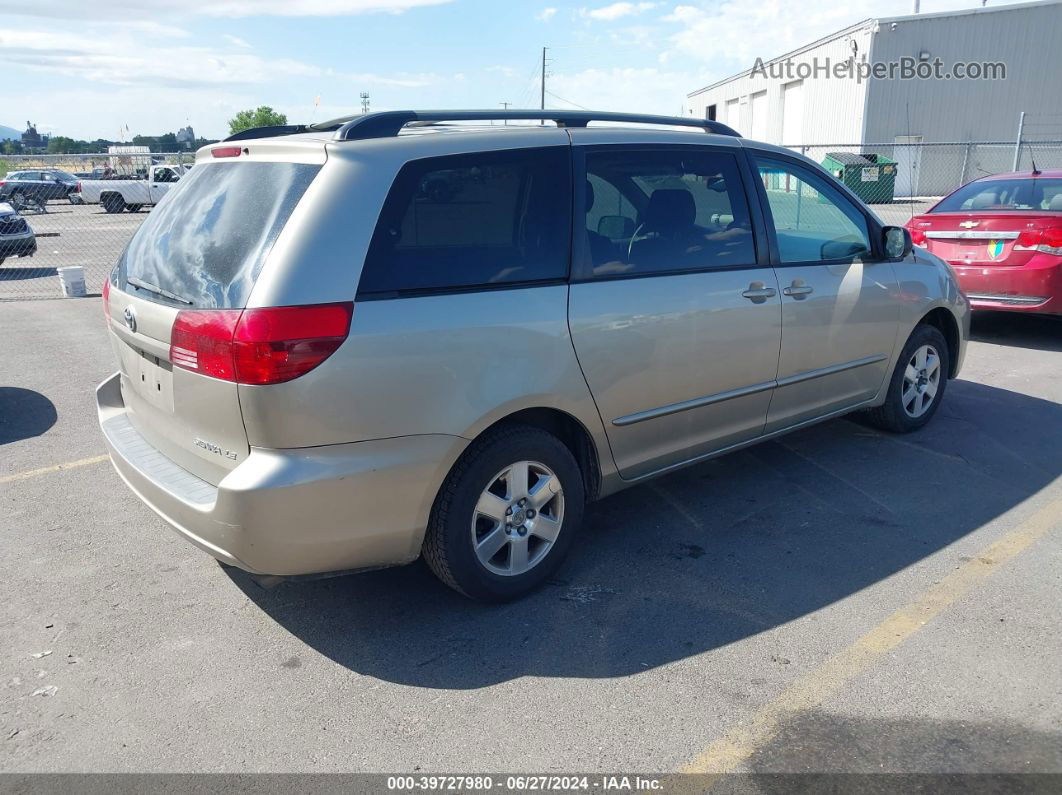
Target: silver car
{"points": [[403, 334]]}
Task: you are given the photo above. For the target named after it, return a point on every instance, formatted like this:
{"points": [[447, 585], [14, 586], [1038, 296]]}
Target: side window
{"points": [[472, 221], [665, 211], [812, 220]]}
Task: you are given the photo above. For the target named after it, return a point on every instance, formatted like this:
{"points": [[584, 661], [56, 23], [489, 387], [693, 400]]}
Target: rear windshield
{"points": [[204, 244], [1005, 194]]}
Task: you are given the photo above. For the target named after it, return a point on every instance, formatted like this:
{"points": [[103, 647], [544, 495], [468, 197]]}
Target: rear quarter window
{"points": [[472, 221], [205, 242]]}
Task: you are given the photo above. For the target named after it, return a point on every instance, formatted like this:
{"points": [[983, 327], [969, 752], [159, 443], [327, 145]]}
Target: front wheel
{"points": [[917, 384], [506, 515]]}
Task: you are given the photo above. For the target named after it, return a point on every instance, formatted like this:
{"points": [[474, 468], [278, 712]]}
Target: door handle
{"points": [[799, 289], [758, 292]]}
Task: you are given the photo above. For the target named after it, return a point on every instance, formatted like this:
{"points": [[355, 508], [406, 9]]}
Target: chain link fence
{"points": [[48, 226], [63, 211], [901, 179]]}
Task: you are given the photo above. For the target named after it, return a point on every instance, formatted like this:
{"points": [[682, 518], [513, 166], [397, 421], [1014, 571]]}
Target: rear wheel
{"points": [[506, 515], [18, 199], [112, 203], [917, 385]]}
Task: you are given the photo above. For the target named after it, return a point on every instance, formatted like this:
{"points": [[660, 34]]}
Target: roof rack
{"points": [[389, 123]]}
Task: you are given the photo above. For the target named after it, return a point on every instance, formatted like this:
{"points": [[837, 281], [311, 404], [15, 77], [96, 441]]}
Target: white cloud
{"points": [[236, 40], [546, 14], [118, 9], [615, 11], [119, 59], [646, 90]]}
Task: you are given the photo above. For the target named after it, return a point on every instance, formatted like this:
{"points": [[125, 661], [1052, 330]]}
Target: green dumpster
{"points": [[871, 177]]}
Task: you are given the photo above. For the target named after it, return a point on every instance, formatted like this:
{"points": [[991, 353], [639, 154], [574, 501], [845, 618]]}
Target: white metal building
{"points": [[817, 110]]}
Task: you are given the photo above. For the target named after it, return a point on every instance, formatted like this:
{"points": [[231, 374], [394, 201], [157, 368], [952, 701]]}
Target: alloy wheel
{"points": [[921, 379], [517, 518]]}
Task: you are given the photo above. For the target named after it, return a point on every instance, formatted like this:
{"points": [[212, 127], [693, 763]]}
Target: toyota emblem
{"points": [[130, 318]]}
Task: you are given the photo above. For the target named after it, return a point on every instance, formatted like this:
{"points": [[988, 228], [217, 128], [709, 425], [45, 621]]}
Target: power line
{"points": [[568, 101]]}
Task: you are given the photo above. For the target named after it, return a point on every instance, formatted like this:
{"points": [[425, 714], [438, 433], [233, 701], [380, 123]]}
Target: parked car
{"points": [[117, 194], [1003, 236], [16, 236], [37, 186], [362, 371]]}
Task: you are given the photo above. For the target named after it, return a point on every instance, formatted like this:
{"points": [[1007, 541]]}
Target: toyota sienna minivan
{"points": [[403, 334]]}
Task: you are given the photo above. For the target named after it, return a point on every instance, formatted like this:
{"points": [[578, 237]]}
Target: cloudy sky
{"points": [[88, 69]]}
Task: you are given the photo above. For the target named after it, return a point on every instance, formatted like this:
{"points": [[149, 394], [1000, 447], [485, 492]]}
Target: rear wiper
{"points": [[154, 288]]}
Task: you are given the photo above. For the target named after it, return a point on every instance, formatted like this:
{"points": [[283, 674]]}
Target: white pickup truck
{"points": [[116, 195]]}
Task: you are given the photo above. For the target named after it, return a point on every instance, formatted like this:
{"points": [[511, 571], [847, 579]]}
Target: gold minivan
{"points": [[407, 334]]}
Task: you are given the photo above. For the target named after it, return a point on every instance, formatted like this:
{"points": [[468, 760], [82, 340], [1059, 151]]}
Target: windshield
{"points": [[204, 244], [1005, 194]]}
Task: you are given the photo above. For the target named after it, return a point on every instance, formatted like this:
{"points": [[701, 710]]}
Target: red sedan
{"points": [[1003, 236]]}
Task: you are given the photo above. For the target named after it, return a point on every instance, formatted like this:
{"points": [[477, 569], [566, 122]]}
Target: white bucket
{"points": [[72, 280]]}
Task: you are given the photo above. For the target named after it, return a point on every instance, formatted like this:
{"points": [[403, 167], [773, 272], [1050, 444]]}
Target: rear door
{"points": [[840, 305], [674, 316], [201, 253]]}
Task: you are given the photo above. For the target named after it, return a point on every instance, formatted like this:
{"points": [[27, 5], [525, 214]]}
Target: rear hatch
{"points": [[981, 239], [182, 285]]}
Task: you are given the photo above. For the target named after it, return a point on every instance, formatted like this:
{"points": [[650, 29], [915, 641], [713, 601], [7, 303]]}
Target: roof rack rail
{"points": [[389, 123], [267, 132]]}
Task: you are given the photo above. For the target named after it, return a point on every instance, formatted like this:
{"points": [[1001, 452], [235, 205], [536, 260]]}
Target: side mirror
{"points": [[896, 242], [615, 227]]}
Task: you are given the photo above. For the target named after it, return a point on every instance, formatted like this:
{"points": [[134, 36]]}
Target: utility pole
{"points": [[364, 101], [506, 106], [543, 92]]}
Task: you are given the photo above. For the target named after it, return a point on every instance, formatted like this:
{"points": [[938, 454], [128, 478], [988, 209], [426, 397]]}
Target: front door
{"points": [[839, 301], [674, 318]]}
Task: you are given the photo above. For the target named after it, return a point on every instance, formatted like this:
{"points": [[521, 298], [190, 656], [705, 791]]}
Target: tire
{"points": [[112, 203], [906, 406], [18, 198], [481, 477]]}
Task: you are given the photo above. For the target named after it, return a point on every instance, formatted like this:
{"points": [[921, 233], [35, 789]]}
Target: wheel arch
{"points": [[945, 322], [571, 432]]}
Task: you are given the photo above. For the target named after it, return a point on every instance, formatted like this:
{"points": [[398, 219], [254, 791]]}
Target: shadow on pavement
{"points": [[702, 558], [24, 414], [12, 272], [1036, 332], [818, 742]]}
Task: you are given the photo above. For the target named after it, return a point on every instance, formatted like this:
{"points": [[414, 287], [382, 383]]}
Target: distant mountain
{"points": [[9, 132]]}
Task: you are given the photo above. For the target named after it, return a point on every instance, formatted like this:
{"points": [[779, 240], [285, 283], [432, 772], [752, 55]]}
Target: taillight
{"points": [[1046, 241], [918, 236], [1051, 243], [258, 346], [107, 299], [79, 187], [226, 151]]}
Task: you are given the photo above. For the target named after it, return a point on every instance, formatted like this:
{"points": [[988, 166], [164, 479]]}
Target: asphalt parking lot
{"points": [[69, 234], [835, 600]]}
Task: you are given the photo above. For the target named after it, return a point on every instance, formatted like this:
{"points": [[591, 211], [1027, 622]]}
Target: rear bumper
{"points": [[289, 512], [1034, 287]]}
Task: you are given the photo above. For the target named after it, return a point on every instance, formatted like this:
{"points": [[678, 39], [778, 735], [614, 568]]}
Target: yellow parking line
{"points": [[737, 746], [45, 470]]}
